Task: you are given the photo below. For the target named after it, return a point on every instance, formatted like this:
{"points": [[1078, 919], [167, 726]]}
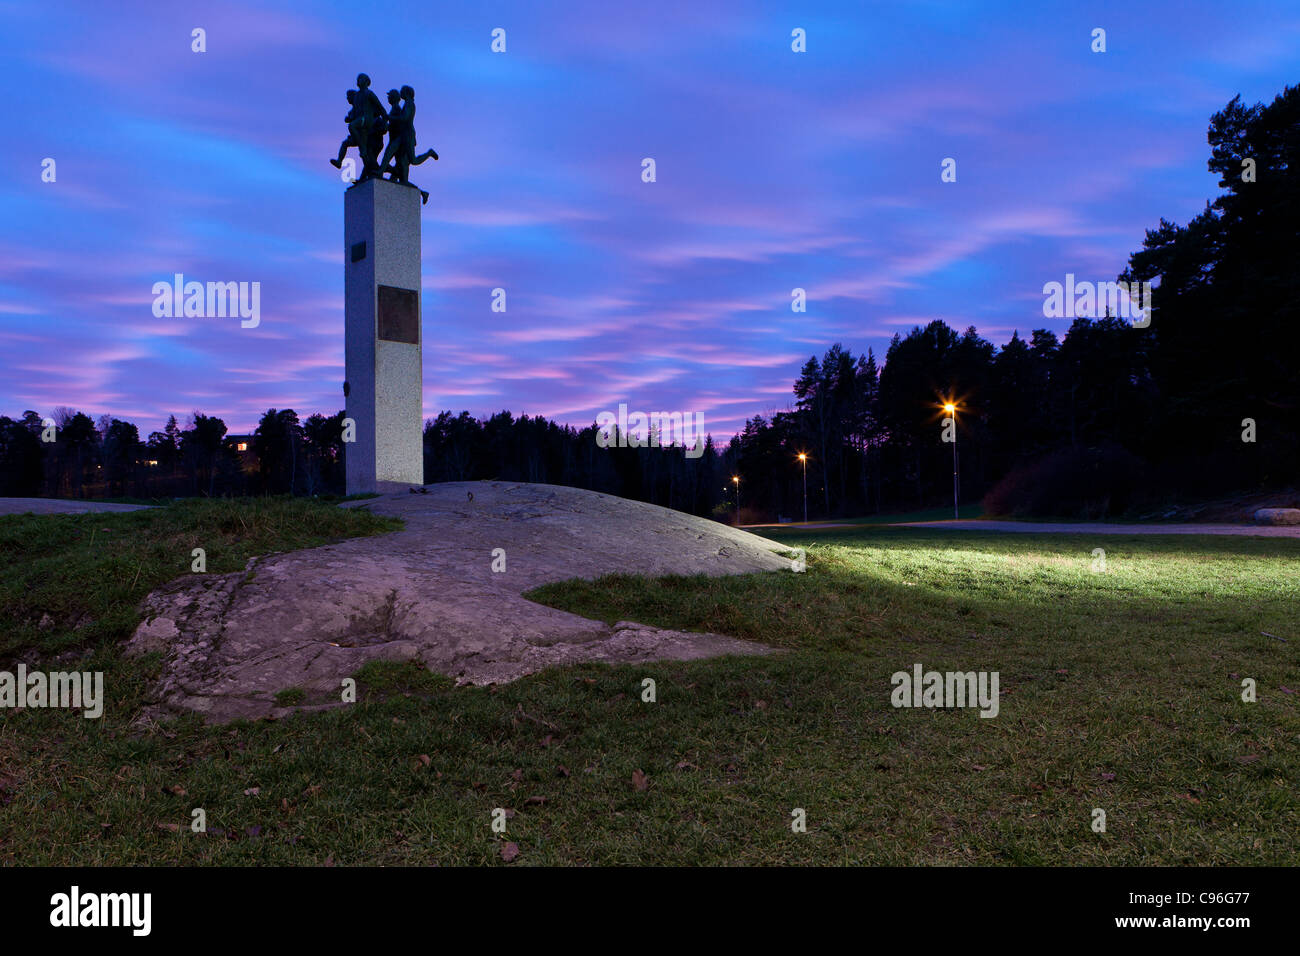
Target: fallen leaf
{"points": [[534, 801], [329, 860], [509, 851], [177, 789], [686, 765], [978, 767], [424, 759], [252, 791], [639, 780], [1107, 776], [170, 827]]}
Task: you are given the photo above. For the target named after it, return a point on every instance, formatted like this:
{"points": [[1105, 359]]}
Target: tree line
{"points": [[1201, 401]]}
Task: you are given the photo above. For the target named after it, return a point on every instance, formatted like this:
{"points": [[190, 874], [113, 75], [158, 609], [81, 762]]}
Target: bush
{"points": [[1071, 483]]}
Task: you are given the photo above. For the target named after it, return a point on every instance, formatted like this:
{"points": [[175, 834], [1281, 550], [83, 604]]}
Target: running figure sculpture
{"points": [[367, 123]]}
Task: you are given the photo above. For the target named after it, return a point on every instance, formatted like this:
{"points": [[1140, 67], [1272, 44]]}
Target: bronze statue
{"points": [[348, 140], [401, 139], [398, 129], [367, 123]]}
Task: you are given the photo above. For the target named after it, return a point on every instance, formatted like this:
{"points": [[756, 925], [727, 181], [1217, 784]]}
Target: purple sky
{"points": [[775, 170]]}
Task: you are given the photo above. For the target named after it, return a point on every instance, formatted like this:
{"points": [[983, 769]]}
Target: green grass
{"points": [[71, 582], [929, 514], [1121, 692], [290, 696]]}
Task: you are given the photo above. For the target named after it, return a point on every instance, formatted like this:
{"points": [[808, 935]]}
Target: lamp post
{"points": [[803, 458], [735, 480], [951, 409]]}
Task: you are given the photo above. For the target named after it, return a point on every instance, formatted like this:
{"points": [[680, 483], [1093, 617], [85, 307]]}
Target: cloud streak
{"points": [[775, 171]]}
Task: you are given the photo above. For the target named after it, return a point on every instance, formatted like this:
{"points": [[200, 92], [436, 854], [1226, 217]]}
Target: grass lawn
{"points": [[1120, 691], [929, 514]]}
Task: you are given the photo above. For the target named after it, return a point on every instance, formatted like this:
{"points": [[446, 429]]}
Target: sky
{"points": [[774, 170]]}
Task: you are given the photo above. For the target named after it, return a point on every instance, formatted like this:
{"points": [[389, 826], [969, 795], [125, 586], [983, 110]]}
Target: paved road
{"points": [[800, 526], [1089, 527], [1044, 527], [59, 506]]}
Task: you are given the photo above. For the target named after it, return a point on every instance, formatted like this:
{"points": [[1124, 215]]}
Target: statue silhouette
{"points": [[348, 140], [401, 139], [367, 123]]}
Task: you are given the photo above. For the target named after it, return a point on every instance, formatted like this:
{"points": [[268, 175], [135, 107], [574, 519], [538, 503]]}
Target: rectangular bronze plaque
{"points": [[399, 315], [358, 251]]}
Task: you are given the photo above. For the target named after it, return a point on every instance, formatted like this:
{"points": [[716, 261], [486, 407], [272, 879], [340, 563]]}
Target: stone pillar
{"points": [[381, 254]]}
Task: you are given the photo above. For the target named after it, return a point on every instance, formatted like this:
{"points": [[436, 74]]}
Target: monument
{"points": [[383, 340]]}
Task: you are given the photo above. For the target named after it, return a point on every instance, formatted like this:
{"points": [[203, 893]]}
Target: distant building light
{"points": [[242, 446]]}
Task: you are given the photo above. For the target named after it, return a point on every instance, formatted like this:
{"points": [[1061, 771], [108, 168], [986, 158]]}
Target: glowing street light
{"points": [[951, 409], [735, 480], [803, 458]]}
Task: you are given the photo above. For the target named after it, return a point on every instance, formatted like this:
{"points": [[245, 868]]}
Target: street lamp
{"points": [[804, 459], [951, 409], [735, 480]]}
